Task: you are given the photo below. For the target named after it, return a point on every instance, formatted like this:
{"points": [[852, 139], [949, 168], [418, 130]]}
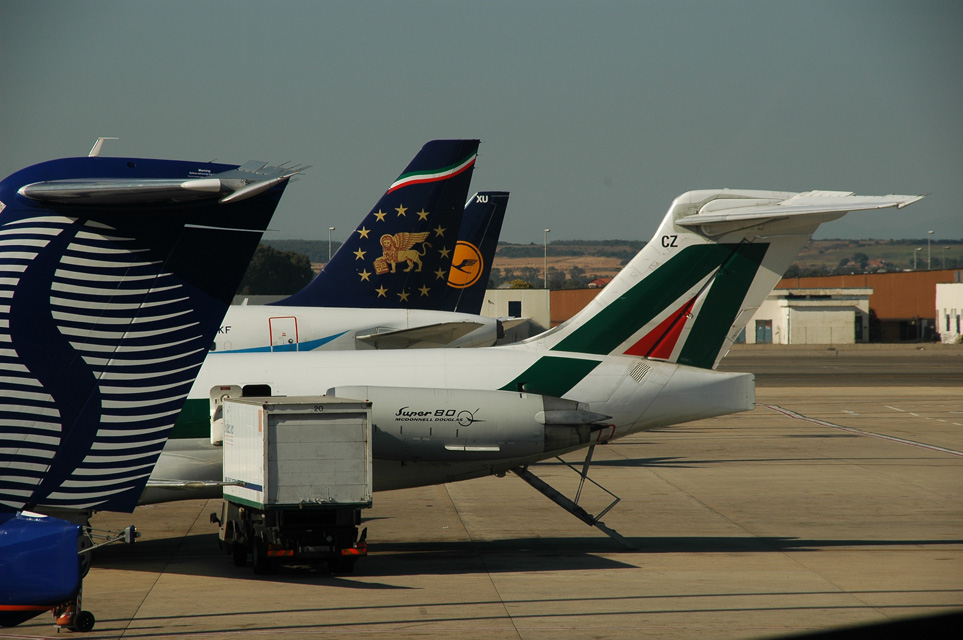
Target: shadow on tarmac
{"points": [[199, 555], [932, 627]]}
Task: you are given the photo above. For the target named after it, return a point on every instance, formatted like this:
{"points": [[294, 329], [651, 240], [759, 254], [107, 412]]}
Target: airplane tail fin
{"points": [[472, 263], [401, 253], [114, 276], [691, 290]]}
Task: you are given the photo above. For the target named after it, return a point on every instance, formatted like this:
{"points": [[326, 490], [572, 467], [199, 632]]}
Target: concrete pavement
{"points": [[830, 504]]}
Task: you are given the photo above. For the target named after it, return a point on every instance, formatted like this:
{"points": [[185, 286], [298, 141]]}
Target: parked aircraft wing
{"points": [[438, 334]]}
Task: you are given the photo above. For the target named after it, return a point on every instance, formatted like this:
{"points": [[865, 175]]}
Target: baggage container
{"points": [[297, 472]]}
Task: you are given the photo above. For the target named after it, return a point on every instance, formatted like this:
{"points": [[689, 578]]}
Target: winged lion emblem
{"points": [[400, 247]]}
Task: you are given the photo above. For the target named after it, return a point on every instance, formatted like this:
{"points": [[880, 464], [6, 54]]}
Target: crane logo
{"points": [[466, 265]]}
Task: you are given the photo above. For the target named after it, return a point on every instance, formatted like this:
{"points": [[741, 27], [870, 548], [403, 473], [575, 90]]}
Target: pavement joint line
{"points": [[488, 573], [126, 628], [795, 558], [922, 445]]}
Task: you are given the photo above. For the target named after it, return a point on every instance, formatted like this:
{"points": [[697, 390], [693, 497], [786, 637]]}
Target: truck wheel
{"points": [[259, 557], [239, 553]]}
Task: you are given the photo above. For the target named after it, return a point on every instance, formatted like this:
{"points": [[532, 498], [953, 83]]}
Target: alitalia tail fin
{"points": [[114, 276], [691, 290], [400, 254], [472, 263]]}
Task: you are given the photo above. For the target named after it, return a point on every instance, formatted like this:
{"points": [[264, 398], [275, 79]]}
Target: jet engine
{"points": [[461, 424], [38, 564]]}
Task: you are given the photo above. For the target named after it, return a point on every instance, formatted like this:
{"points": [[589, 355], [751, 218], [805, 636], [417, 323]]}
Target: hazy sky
{"points": [[595, 115]]}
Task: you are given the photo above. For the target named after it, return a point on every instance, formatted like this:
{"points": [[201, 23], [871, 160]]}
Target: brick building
{"points": [[902, 305]]}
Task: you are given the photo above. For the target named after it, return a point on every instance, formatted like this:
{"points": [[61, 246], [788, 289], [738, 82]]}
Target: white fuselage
{"points": [[629, 393], [609, 371], [268, 328]]}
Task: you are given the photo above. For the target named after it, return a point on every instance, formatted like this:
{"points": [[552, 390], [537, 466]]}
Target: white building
{"points": [[949, 308], [528, 309], [811, 316]]}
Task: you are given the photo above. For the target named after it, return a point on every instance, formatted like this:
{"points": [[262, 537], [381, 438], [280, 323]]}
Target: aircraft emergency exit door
{"points": [[284, 333]]}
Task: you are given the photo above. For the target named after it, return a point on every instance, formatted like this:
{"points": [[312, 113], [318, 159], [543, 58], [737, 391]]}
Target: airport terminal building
{"points": [[811, 316], [902, 305], [949, 309], [914, 306]]}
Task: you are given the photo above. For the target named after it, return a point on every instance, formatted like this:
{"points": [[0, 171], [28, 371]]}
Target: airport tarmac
{"points": [[833, 503]]}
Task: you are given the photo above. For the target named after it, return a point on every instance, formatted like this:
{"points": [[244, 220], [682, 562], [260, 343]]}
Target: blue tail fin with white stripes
{"points": [[114, 276]]}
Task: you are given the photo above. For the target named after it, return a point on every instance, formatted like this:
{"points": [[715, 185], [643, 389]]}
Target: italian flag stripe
{"points": [[421, 177], [551, 376]]}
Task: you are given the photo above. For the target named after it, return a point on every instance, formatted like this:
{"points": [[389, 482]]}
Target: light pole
{"points": [[916, 252], [545, 263], [330, 229], [929, 264]]}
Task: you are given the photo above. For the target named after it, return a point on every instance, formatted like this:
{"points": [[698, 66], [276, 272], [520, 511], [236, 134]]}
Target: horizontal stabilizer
{"points": [[231, 186], [689, 293], [433, 334], [124, 192], [254, 188], [770, 206]]}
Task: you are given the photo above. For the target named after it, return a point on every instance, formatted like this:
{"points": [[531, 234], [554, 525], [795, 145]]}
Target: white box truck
{"points": [[297, 472]]}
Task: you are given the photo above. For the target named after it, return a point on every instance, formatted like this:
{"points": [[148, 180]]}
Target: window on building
{"points": [[514, 308], [763, 331]]}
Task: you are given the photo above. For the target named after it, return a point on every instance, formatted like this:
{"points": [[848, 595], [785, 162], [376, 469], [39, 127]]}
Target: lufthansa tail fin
{"points": [[401, 253], [114, 276], [716, 256], [472, 263]]}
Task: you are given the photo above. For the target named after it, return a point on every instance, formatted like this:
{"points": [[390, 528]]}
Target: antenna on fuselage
{"points": [[95, 150]]}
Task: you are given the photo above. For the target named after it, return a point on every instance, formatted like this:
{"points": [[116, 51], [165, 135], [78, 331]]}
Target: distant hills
{"points": [[825, 257], [574, 263]]}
